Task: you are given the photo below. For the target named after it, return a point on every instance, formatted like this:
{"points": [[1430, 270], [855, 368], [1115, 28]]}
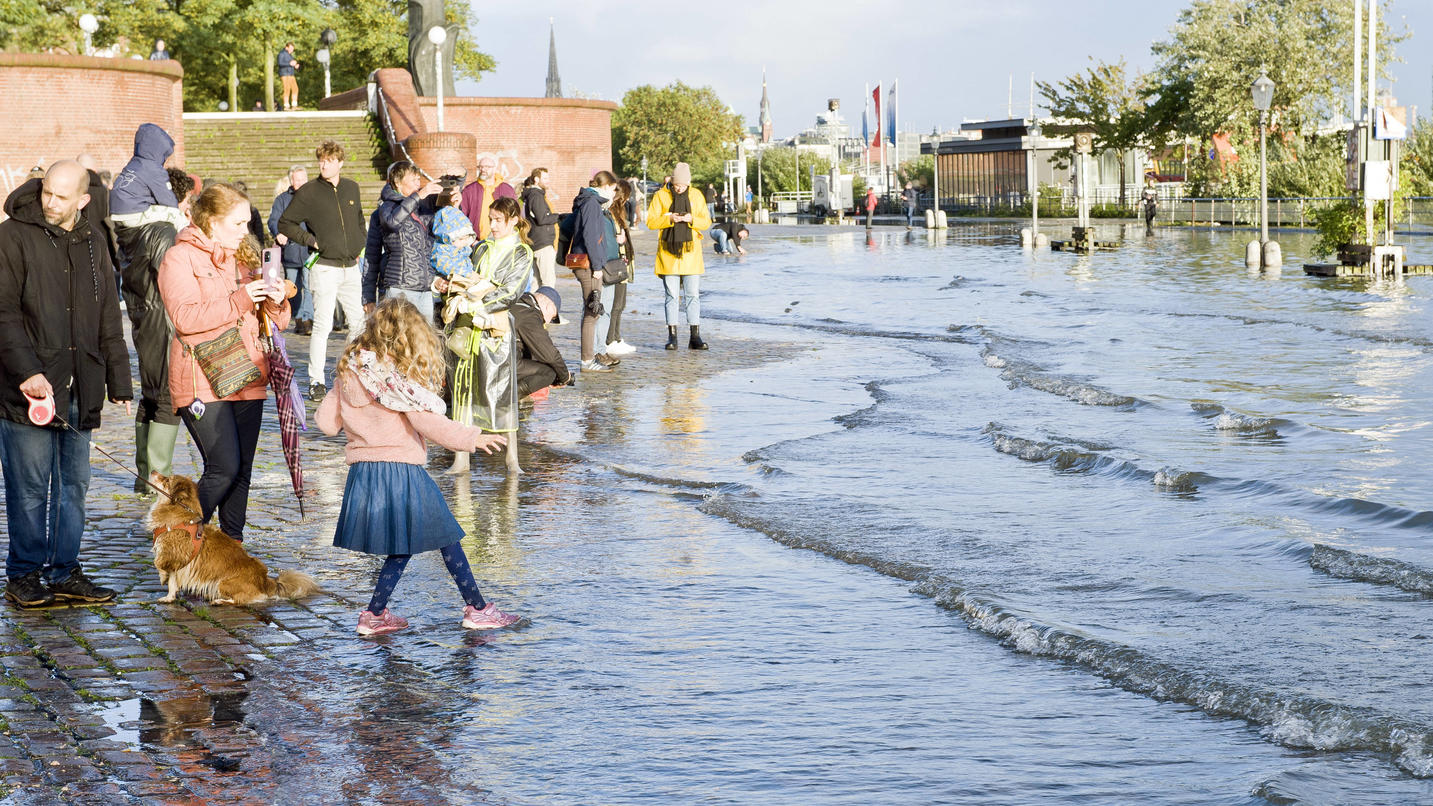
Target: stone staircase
{"points": [[258, 148]]}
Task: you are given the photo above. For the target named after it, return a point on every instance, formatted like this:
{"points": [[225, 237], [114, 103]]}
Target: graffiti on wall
{"points": [[12, 176], [510, 168]]}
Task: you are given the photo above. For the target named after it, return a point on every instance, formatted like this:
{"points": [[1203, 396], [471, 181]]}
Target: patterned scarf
{"points": [[392, 389]]}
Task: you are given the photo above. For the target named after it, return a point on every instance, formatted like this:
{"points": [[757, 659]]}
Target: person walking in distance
{"points": [[61, 354], [288, 77], [294, 254], [386, 403], [326, 216], [911, 197], [870, 206], [480, 194], [543, 232], [678, 214]]}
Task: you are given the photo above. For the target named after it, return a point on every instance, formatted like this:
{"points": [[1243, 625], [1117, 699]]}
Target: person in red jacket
{"points": [[870, 205], [204, 296]]}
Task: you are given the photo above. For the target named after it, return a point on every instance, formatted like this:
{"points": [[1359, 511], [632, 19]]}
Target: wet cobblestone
{"points": [[144, 702]]}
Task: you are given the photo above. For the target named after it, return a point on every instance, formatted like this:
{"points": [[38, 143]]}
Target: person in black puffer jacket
{"points": [[401, 265], [156, 426]]}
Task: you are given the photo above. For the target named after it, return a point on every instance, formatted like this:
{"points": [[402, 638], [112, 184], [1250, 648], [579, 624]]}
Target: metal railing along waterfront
{"points": [[1197, 211]]}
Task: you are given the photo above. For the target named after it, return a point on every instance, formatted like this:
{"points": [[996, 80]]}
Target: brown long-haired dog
{"points": [[200, 559]]}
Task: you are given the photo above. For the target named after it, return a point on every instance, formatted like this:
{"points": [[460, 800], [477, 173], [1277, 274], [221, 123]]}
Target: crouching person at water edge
{"points": [[61, 350], [386, 403], [679, 214], [208, 300]]}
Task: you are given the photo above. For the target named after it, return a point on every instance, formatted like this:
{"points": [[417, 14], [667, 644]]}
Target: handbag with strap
{"points": [[225, 362], [577, 260]]}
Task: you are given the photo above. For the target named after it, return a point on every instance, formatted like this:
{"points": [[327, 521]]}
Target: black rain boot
{"points": [[671, 337], [696, 342]]}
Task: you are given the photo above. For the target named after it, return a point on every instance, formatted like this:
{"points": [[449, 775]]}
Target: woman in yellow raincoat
{"points": [[679, 215]]}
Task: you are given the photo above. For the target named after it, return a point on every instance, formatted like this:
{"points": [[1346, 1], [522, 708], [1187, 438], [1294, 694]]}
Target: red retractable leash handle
{"points": [[42, 409]]}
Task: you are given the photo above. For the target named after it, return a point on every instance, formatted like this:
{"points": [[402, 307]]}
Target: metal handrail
{"points": [[392, 137]]}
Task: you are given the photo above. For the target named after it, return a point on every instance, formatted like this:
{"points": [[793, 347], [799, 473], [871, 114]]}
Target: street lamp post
{"points": [[438, 35], [89, 25], [1263, 94], [1034, 130], [644, 174], [324, 55]]}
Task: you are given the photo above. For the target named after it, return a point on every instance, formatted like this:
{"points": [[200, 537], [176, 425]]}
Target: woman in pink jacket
{"points": [[204, 294]]}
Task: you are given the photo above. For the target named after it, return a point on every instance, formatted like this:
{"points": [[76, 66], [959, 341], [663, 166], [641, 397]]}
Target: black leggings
{"points": [[619, 303], [227, 435]]}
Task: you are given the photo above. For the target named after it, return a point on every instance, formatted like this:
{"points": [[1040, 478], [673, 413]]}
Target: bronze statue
{"points": [[422, 15]]}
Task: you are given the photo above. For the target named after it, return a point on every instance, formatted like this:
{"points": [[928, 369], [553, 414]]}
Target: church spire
{"points": [[554, 83], [765, 110]]}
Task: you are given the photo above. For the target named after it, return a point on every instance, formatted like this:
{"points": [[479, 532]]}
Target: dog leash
{"points": [[42, 410]]}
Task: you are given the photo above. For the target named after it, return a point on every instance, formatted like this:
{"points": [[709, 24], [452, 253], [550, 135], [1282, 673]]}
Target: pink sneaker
{"points": [[387, 622], [489, 618]]}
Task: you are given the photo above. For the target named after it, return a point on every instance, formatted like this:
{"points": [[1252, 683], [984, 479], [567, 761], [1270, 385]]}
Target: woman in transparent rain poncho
{"points": [[479, 329]]}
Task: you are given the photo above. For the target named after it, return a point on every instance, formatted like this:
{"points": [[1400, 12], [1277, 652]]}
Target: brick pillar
{"points": [[439, 153]]}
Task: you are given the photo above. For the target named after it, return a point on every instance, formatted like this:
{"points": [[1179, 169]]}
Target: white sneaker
{"points": [[620, 348]]}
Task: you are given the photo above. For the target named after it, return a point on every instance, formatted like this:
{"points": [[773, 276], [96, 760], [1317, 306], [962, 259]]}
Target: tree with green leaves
{"points": [[779, 168], [228, 47], [919, 171], [1217, 49], [1105, 100], [1416, 166], [673, 124]]}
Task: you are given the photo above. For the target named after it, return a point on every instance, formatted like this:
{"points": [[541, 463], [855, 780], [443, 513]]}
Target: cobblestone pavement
{"points": [[138, 701]]}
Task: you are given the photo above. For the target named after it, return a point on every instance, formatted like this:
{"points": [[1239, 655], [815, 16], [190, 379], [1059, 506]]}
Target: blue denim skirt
{"points": [[393, 508]]}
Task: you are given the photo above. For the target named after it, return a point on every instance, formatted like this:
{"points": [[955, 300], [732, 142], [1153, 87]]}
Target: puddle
{"points": [[171, 722]]}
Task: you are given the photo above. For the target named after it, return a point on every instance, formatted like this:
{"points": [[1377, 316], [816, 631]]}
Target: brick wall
{"points": [[571, 138], [57, 107]]}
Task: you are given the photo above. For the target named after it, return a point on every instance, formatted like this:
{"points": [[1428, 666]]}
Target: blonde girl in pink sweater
{"points": [[386, 402]]}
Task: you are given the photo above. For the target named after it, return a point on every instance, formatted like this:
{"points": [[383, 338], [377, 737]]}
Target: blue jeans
{"points": [[302, 303], [719, 241], [422, 300], [47, 474], [690, 286], [910, 215]]}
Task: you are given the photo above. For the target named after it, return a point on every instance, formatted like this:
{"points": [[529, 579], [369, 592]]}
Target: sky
{"points": [[954, 59]]}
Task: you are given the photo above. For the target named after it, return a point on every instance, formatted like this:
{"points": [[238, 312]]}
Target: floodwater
{"points": [[963, 524], [1142, 526]]}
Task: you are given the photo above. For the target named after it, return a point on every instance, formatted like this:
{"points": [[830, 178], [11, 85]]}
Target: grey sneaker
{"points": [[78, 588], [595, 366], [316, 391]]}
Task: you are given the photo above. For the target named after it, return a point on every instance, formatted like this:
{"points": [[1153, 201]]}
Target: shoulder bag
{"points": [[225, 362]]}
